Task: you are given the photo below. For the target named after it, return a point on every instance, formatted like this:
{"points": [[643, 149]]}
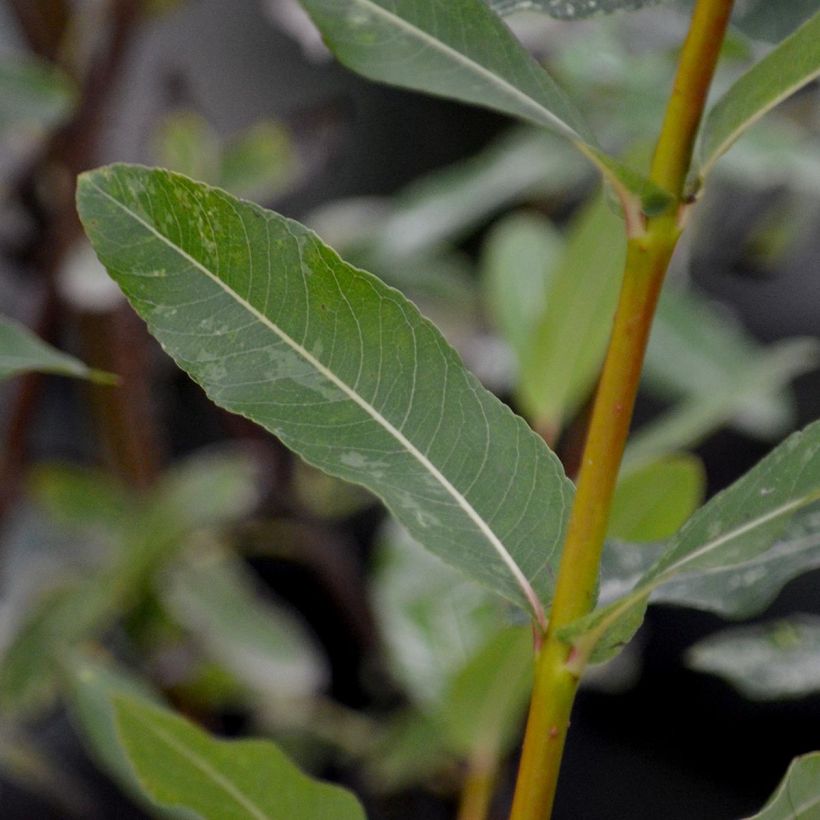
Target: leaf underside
{"points": [[569, 9], [339, 366]]}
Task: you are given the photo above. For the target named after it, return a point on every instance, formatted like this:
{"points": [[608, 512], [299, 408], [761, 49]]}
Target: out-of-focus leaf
{"points": [[341, 368], [798, 795], [205, 491], [445, 205], [485, 703], [259, 162], [432, 619], [34, 97], [570, 339], [569, 9], [325, 496], [89, 682], [735, 527], [186, 143], [519, 253], [697, 351], [689, 422], [410, 44], [263, 646], [765, 20], [180, 766], [653, 501], [791, 65], [773, 661], [22, 352]]}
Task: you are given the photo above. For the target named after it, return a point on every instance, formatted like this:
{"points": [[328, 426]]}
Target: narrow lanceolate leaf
{"points": [[569, 9], [769, 21], [569, 340], [791, 65], [737, 526], [798, 795], [22, 352], [180, 766], [339, 366], [773, 661], [461, 49]]}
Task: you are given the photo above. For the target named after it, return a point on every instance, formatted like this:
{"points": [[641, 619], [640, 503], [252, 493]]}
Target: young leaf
{"points": [[772, 661], [653, 501], [519, 254], [344, 370], [461, 49], [22, 352], [736, 526], [798, 795], [568, 344], [180, 766], [791, 65], [569, 9]]}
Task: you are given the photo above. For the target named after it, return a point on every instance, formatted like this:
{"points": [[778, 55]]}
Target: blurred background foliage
{"points": [[152, 544]]}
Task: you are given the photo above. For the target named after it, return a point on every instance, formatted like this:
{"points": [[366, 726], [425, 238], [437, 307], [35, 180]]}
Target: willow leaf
{"points": [[569, 9], [791, 65], [736, 527], [798, 795], [181, 767], [343, 369], [23, 352], [462, 50]]}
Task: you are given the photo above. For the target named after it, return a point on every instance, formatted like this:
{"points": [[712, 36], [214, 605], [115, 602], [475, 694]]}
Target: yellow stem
{"points": [[477, 791], [647, 260]]}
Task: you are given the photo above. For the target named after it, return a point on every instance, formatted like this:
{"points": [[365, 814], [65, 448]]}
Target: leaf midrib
{"points": [[208, 770], [494, 79], [428, 465]]}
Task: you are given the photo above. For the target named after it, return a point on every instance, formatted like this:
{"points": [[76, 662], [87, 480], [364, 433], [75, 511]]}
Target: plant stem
{"points": [[477, 791], [648, 254]]}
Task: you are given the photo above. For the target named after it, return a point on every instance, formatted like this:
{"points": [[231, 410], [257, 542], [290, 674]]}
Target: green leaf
{"points": [[34, 96], [180, 766], [737, 526], [569, 9], [791, 65], [568, 345], [186, 143], [340, 367], [22, 352], [698, 351], [462, 50], [264, 647], [798, 795], [688, 423], [259, 162], [432, 618], [772, 661], [765, 20], [519, 253], [653, 501], [485, 703]]}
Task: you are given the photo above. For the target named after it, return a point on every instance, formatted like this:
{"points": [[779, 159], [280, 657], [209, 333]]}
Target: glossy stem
{"points": [[647, 259]]}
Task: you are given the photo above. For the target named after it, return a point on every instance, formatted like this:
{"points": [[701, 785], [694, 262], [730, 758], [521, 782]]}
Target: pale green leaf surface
{"points": [[686, 424], [432, 619], [180, 766], [519, 253], [772, 661], [340, 367], [485, 703], [798, 795], [259, 162], [22, 352], [569, 9], [765, 20], [462, 50], [186, 143], [652, 502], [790, 65], [736, 526], [698, 350], [264, 646], [569, 342]]}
